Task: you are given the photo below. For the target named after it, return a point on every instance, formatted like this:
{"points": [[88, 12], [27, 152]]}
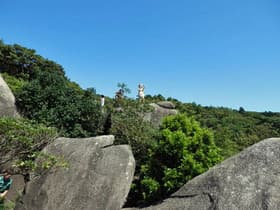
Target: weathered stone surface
{"points": [[249, 180], [155, 117], [166, 104], [17, 188], [99, 177], [7, 101]]}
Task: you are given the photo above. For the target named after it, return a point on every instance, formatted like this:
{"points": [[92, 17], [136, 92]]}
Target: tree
{"points": [[183, 151], [241, 110], [53, 100], [123, 88]]}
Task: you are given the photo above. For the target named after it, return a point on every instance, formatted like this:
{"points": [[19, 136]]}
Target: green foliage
{"points": [[45, 95], [45, 161], [14, 83], [234, 130], [22, 140], [155, 98], [129, 127], [124, 89], [149, 187], [120, 95], [7, 205], [52, 100], [184, 150], [24, 63]]}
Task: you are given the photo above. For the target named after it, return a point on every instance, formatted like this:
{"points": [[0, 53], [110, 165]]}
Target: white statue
{"points": [[141, 94]]}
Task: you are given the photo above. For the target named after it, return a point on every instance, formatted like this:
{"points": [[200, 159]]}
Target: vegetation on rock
{"points": [[21, 142]]}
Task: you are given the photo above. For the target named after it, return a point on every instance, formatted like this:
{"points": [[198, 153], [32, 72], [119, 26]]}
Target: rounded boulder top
{"points": [[166, 104]]}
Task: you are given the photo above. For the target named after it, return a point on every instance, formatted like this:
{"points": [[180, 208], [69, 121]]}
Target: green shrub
{"points": [[183, 151], [149, 188], [129, 127], [14, 83], [52, 100], [21, 142]]}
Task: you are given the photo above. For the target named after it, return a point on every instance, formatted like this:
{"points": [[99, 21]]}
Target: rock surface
{"points": [[7, 100], [159, 112], [16, 188], [166, 104], [99, 177], [249, 180]]}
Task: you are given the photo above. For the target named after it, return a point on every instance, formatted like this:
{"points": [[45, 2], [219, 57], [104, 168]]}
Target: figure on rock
{"points": [[141, 94]]}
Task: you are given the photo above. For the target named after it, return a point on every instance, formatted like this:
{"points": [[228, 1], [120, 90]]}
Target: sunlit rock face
{"points": [[99, 177], [7, 101], [160, 110], [248, 180]]}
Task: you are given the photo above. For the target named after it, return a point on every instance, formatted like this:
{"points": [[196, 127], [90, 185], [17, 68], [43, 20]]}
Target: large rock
{"points": [[17, 188], [7, 101], [98, 178], [249, 180], [160, 110], [166, 104]]}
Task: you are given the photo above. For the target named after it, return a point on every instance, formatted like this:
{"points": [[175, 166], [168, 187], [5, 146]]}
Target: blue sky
{"points": [[215, 53]]}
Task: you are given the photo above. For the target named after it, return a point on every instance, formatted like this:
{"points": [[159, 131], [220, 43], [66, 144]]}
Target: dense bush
{"points": [[14, 83], [49, 99], [129, 127], [45, 95], [234, 130], [24, 63], [21, 141], [182, 151]]}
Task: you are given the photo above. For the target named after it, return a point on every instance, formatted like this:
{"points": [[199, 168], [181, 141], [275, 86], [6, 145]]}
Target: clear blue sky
{"points": [[212, 52]]}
